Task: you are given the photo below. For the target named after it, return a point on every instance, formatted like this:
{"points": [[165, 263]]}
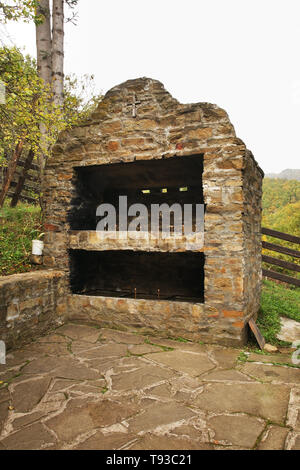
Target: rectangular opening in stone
{"points": [[158, 181], [141, 275]]}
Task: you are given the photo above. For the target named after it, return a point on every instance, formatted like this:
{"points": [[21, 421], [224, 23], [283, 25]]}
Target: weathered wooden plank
{"points": [[33, 166], [22, 178], [28, 186], [281, 277], [255, 330], [281, 249], [281, 262], [281, 235], [24, 197], [29, 176]]}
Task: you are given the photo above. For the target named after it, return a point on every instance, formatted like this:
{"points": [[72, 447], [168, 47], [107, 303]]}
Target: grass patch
{"points": [[181, 340], [164, 348], [18, 227], [242, 357], [276, 301]]}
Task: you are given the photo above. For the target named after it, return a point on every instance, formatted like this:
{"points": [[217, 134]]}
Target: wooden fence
{"points": [[24, 185], [279, 262]]}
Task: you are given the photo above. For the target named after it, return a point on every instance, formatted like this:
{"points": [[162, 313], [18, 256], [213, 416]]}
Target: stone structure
{"points": [[30, 305], [141, 138]]}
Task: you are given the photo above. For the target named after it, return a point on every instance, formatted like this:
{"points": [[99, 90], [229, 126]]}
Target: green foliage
{"points": [[80, 98], [26, 104], [18, 226], [242, 357], [29, 105], [278, 193], [277, 300], [18, 10]]}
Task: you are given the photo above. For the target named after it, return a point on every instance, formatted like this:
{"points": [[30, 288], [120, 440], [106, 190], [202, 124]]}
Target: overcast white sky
{"points": [[242, 55]]}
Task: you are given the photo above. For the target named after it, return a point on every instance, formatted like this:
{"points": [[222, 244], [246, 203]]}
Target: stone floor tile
{"points": [[236, 430], [59, 385], [43, 365], [271, 358], [230, 375], [121, 336], [108, 389], [145, 348], [100, 441], [193, 347], [53, 338], [263, 400], [77, 347], [85, 389], [27, 418], [157, 415], [84, 415], [271, 373], [61, 367], [49, 349], [188, 362], [16, 359], [8, 376], [166, 442], [3, 414], [78, 332], [140, 378], [220, 447], [273, 439], [26, 395], [30, 438], [194, 430], [4, 394], [105, 350], [162, 391], [225, 357], [168, 343], [296, 446], [74, 370]]}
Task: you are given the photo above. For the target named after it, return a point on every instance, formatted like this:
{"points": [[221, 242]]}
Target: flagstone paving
{"points": [[82, 387]]}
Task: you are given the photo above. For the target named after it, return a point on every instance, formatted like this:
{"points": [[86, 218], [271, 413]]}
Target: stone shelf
{"points": [[136, 241]]}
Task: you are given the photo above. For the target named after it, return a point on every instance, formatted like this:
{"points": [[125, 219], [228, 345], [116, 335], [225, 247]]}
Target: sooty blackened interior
{"points": [[165, 276], [173, 180]]}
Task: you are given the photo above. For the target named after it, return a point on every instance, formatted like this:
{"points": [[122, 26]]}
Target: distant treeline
{"points": [[281, 205], [281, 211]]}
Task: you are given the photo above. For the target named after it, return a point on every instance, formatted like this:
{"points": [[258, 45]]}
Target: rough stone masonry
{"points": [[139, 121]]}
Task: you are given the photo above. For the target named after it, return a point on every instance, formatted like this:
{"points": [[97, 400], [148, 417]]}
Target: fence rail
{"points": [[279, 262], [25, 183]]}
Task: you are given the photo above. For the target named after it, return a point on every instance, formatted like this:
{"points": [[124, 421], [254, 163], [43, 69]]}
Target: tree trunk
{"points": [[21, 181], [44, 42], [44, 64], [11, 171], [58, 52]]}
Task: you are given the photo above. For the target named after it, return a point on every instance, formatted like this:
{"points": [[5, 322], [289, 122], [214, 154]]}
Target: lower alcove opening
{"points": [[136, 274]]}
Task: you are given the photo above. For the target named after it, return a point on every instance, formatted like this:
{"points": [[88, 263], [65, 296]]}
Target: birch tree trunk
{"points": [[44, 66], [58, 52], [44, 42], [50, 59]]}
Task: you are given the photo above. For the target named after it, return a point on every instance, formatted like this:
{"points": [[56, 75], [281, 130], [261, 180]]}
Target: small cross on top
{"points": [[133, 104]]}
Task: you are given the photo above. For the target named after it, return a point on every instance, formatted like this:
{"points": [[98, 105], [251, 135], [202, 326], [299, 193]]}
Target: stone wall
{"points": [[252, 188], [30, 305], [155, 317], [231, 179]]}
